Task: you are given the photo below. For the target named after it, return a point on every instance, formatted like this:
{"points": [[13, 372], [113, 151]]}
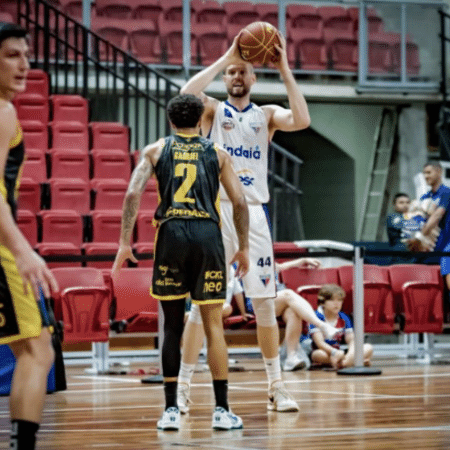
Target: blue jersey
{"points": [[442, 200], [343, 324]]}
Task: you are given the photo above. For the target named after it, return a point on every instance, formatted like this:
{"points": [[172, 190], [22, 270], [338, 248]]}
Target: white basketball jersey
{"points": [[245, 136]]}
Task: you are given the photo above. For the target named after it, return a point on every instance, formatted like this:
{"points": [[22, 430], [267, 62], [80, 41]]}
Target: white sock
{"points": [[273, 369], [186, 372]]}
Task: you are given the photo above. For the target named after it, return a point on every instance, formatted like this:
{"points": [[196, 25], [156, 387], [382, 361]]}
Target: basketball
{"points": [[257, 43]]}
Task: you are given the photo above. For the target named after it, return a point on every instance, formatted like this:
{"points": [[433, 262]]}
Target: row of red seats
{"points": [[411, 293], [308, 49], [86, 294], [62, 163], [68, 135], [79, 195], [317, 38], [67, 232]]}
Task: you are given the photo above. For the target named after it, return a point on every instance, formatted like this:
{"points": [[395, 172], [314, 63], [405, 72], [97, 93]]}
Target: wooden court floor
{"points": [[407, 407]]}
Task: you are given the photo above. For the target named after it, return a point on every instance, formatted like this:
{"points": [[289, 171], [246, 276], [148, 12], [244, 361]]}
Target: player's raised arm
{"points": [[201, 80], [297, 117]]}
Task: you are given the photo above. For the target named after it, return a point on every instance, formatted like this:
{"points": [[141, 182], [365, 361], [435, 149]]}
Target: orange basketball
{"points": [[257, 43]]}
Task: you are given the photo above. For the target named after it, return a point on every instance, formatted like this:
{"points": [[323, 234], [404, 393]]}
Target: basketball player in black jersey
{"points": [[22, 272], [189, 253]]}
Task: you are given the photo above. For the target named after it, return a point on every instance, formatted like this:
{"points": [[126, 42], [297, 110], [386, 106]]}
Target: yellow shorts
{"points": [[20, 317]]}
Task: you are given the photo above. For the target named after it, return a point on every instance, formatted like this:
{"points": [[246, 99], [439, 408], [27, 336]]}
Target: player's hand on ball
{"points": [[281, 60], [233, 55]]}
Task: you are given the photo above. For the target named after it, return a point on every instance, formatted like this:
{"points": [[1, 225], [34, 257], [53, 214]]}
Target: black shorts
{"points": [[189, 259]]}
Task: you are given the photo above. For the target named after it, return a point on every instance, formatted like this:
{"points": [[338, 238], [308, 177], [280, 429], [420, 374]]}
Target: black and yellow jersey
{"points": [[9, 186], [188, 179]]}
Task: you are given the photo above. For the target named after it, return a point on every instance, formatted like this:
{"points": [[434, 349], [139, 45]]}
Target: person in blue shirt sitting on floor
{"points": [[328, 352]]}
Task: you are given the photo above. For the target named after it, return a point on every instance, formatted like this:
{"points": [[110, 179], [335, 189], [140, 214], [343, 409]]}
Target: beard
{"points": [[238, 92]]}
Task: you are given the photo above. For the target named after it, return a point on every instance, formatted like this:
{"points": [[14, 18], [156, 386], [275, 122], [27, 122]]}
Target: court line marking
{"points": [[237, 385]]}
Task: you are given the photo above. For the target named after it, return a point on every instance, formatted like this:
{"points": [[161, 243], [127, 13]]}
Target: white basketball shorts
{"points": [[260, 279]]}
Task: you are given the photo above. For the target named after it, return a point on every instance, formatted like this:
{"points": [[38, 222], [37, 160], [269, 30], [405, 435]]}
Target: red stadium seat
{"points": [[70, 193], [337, 18], [374, 22], [145, 41], [62, 226], [106, 226], [29, 195], [268, 12], [32, 107], [116, 9], [378, 299], [10, 6], [306, 18], [172, 36], [111, 164], [70, 135], [210, 11], [412, 54], [379, 53], [78, 277], [72, 108], [6, 17], [310, 51], [37, 83], [59, 248], [35, 135], [100, 248], [112, 30], [27, 223], [173, 11], [342, 50], [242, 13], [83, 305], [307, 282], [417, 290], [134, 303], [212, 41], [144, 247], [109, 193], [145, 230], [149, 10], [73, 8], [34, 166], [69, 163], [110, 135], [149, 199]]}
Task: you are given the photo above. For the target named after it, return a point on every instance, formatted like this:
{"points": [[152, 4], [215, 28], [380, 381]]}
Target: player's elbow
{"points": [[305, 122]]}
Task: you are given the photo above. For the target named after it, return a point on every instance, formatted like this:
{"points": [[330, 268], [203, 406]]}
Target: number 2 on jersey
{"points": [[189, 173]]}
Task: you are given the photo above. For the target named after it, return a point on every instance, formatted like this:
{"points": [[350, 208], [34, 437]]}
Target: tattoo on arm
{"points": [[138, 181]]}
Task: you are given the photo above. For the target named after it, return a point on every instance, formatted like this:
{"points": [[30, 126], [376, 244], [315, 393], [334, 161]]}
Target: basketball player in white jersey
{"points": [[245, 130]]}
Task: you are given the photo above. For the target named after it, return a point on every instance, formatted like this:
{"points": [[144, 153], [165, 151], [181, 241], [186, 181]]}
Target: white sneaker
{"points": [[329, 331], [225, 420], [303, 356], [294, 363], [170, 419], [183, 399], [280, 399]]}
